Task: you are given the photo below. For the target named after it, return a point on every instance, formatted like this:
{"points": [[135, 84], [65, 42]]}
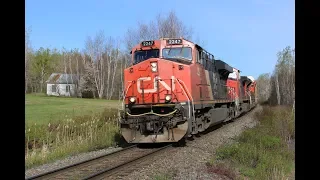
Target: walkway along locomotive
{"points": [[175, 89]]}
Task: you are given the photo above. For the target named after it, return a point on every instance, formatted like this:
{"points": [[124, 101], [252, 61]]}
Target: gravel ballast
{"points": [[187, 162], [68, 161]]}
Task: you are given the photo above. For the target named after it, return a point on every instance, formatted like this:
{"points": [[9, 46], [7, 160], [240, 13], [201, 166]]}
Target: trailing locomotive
{"points": [[175, 89]]}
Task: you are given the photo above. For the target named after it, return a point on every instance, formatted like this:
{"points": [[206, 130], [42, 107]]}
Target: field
{"points": [[43, 109], [57, 127]]}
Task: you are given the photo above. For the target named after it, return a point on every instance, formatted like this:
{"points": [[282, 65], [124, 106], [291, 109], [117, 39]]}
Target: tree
{"points": [[282, 81], [102, 63], [42, 65], [112, 58], [264, 87], [76, 66], [27, 54], [86, 84], [163, 27], [285, 76], [94, 48]]}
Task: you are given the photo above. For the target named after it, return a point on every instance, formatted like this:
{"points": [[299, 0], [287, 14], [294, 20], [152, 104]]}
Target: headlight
{"points": [[168, 97], [154, 67], [132, 99]]}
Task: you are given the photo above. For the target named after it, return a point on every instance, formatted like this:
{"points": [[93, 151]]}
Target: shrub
{"points": [[262, 152]]}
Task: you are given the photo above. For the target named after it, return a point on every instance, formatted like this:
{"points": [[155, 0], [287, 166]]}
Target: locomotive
{"points": [[175, 89]]}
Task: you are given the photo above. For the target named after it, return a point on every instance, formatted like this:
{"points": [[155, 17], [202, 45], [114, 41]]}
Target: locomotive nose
{"points": [[154, 65], [154, 81]]}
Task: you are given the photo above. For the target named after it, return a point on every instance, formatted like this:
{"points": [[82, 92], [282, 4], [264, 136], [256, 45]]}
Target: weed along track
{"points": [[107, 166]]}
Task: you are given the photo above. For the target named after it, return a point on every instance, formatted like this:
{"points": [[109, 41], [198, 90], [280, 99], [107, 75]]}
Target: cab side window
{"points": [[205, 59], [199, 57]]}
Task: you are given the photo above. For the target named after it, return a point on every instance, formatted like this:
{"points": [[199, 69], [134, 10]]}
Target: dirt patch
{"points": [[221, 169]]}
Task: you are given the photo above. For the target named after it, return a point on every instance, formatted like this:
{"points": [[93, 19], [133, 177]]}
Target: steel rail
{"points": [[72, 166], [104, 173]]}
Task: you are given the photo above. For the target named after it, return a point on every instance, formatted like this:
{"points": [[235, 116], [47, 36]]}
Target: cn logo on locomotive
{"points": [[164, 84]]}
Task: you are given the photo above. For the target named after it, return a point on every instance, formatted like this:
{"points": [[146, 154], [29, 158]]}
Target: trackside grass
{"points": [[263, 152], [48, 142], [85, 125], [162, 177]]}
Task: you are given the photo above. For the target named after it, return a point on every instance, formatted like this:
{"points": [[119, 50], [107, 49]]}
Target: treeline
{"points": [[99, 66], [278, 88]]}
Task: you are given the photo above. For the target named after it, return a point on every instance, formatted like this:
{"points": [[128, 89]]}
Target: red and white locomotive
{"points": [[175, 89]]}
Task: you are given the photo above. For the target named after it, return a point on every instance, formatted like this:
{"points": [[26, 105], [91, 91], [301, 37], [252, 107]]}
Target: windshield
{"points": [[180, 53], [140, 56]]}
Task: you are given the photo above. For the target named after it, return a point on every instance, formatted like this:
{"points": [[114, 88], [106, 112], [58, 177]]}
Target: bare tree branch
{"points": [[170, 27]]}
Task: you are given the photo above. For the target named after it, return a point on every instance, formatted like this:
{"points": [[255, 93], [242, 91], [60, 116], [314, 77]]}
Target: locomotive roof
{"points": [[244, 79], [251, 77], [224, 66], [196, 45]]}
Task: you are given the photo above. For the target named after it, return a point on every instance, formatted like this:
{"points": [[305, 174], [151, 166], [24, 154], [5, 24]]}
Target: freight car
{"points": [[176, 89]]}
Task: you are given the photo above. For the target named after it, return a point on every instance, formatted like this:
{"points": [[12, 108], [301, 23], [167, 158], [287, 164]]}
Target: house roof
{"points": [[59, 78]]}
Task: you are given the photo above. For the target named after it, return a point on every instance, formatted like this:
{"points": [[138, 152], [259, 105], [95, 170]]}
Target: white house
{"points": [[60, 84]]}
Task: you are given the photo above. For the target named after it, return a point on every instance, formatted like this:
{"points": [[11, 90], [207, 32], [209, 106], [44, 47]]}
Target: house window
{"points": [[54, 88], [68, 88]]}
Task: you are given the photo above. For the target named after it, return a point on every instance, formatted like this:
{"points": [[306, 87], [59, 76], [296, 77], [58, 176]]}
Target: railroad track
{"points": [[109, 166], [113, 165]]}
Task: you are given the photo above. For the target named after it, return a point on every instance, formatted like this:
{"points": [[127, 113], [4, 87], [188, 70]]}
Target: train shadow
{"points": [[152, 145], [120, 141], [215, 127], [200, 134]]}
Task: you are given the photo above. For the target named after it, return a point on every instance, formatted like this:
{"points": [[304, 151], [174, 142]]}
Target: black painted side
{"points": [[218, 76]]}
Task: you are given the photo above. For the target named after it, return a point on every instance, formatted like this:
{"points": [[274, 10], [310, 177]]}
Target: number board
{"points": [[147, 43], [174, 41]]}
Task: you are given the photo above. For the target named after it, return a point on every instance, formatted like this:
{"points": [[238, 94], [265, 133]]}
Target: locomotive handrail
{"points": [[249, 97], [125, 95], [151, 112], [187, 96]]}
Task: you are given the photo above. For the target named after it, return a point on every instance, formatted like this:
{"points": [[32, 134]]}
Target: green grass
{"points": [[48, 142], [261, 152], [57, 127], [160, 176], [42, 109]]}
